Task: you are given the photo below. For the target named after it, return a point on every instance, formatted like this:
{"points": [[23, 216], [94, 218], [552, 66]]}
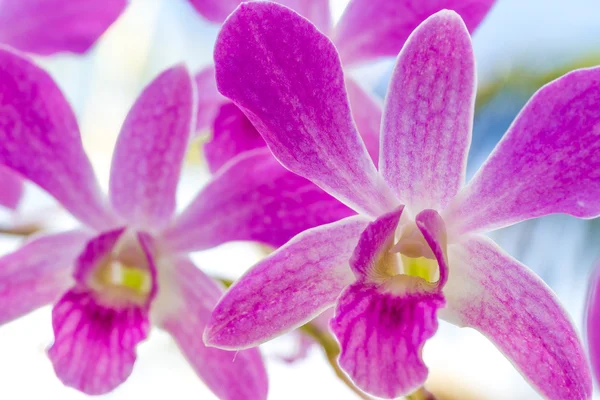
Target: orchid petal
{"points": [[316, 11], [294, 95], [370, 29], [495, 294], [233, 134], [548, 161], [366, 111], [288, 288], [50, 26], [209, 98], [428, 114], [215, 10], [433, 229], [40, 139], [11, 189], [38, 273], [150, 150], [230, 375], [253, 198], [592, 323]]}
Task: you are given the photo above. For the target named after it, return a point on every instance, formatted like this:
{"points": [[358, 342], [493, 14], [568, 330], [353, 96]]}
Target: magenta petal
{"points": [[381, 336], [370, 29], [51, 26], [11, 188], [209, 98], [288, 288], [215, 10], [40, 139], [548, 161], [95, 250], [495, 294], [38, 273], [230, 375], [150, 150], [366, 111], [94, 346], [592, 323], [253, 198], [287, 78], [428, 116], [232, 134], [316, 11]]}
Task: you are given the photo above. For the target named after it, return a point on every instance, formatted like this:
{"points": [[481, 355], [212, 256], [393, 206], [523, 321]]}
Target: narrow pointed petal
{"points": [[150, 150], [592, 323], [548, 162], [230, 375], [38, 273], [370, 29], [428, 116], [232, 135], [316, 11], [495, 294], [253, 198], [209, 98], [11, 189], [215, 10], [288, 288], [287, 78], [50, 26], [366, 111], [41, 141]]}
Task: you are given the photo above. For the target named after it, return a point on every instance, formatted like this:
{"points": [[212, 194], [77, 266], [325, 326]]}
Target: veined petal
{"points": [[150, 150], [294, 95], [288, 288], [230, 375], [366, 111], [38, 273], [370, 29], [253, 198], [495, 294], [209, 98], [232, 134], [592, 323], [40, 140], [428, 116], [11, 188], [215, 10], [316, 11], [51, 26], [548, 161]]}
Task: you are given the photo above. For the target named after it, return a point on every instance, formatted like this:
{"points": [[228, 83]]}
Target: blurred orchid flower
{"points": [[416, 246], [127, 267], [46, 27], [592, 322]]}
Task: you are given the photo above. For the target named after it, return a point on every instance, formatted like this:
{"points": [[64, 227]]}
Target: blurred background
{"points": [[520, 46]]}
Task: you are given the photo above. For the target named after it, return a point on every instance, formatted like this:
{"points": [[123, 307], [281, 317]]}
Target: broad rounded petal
{"points": [[94, 345], [11, 188], [381, 337], [232, 135], [287, 78], [370, 29], [288, 288], [38, 273], [592, 323], [150, 150], [253, 198], [230, 375], [40, 139], [366, 111], [428, 116], [51, 26], [215, 10], [316, 11], [548, 161], [209, 98], [495, 294]]}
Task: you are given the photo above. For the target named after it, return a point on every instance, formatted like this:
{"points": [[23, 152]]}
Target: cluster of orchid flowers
{"points": [[366, 204]]}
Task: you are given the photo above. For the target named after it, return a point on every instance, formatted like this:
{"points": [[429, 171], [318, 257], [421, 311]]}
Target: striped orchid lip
{"points": [[287, 78]]}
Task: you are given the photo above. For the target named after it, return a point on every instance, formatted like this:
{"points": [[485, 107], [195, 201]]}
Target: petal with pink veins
{"points": [[288, 288], [41, 141], [51, 26], [547, 162], [209, 98], [252, 198], [11, 189], [490, 291], [370, 29], [150, 150], [428, 116], [316, 11], [294, 95], [230, 375]]}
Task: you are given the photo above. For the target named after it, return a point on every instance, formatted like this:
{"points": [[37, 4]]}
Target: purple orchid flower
{"points": [[127, 267], [592, 322], [416, 249]]}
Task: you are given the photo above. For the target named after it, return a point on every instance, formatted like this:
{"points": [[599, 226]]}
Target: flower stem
{"points": [[21, 230]]}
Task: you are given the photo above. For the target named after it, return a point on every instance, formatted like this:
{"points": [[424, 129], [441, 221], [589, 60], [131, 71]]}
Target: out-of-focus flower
{"points": [[592, 322], [11, 189], [425, 250], [127, 267], [52, 26]]}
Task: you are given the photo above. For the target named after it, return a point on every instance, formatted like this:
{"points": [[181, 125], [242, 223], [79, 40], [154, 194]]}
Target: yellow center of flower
{"points": [[421, 267], [117, 275]]}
